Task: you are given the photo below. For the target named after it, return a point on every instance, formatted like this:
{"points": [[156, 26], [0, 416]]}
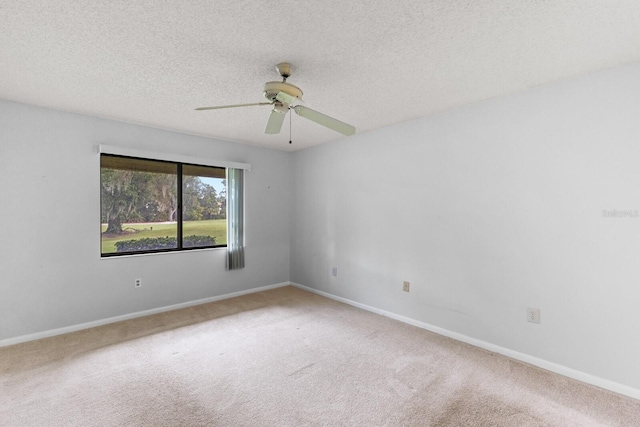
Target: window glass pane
{"points": [[204, 206], [138, 204]]}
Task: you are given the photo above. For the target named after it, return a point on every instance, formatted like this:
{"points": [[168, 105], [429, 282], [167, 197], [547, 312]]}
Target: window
{"points": [[160, 206]]}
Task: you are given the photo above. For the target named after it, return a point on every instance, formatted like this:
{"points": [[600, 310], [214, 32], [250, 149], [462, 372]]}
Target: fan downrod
{"points": [[284, 69], [271, 89]]}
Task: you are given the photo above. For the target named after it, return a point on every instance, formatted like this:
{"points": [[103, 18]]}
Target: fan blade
{"points": [[285, 98], [232, 106], [324, 120], [275, 122]]}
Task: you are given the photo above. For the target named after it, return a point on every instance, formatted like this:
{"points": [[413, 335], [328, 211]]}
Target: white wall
{"points": [[51, 274], [486, 210]]}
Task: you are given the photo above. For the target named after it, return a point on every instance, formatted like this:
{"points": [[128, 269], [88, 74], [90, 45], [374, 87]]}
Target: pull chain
{"points": [[290, 114]]}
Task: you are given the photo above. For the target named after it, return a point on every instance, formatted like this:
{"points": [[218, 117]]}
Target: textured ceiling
{"points": [[371, 64]]}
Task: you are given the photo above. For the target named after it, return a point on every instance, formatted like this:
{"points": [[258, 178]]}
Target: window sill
{"points": [[163, 253]]}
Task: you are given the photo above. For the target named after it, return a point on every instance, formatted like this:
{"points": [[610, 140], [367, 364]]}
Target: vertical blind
{"points": [[235, 219]]}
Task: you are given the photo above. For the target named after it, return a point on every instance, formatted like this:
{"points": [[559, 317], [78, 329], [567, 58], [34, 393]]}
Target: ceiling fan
{"points": [[282, 96]]}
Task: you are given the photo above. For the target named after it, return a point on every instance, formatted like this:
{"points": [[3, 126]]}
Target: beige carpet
{"points": [[284, 357]]}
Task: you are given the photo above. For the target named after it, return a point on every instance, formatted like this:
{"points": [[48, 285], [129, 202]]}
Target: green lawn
{"points": [[216, 228]]}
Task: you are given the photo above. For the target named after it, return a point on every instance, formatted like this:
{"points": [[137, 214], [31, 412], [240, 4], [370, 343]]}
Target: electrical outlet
{"points": [[138, 283], [405, 286], [533, 315], [334, 271]]}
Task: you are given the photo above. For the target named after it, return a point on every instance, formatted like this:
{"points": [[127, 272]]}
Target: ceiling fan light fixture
{"points": [[280, 108]]}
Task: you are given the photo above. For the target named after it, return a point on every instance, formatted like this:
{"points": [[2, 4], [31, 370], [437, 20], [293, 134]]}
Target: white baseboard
{"points": [[544, 364], [93, 324]]}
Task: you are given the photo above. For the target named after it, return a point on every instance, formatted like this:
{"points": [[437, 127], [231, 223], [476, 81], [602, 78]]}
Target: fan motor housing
{"points": [[271, 90]]}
